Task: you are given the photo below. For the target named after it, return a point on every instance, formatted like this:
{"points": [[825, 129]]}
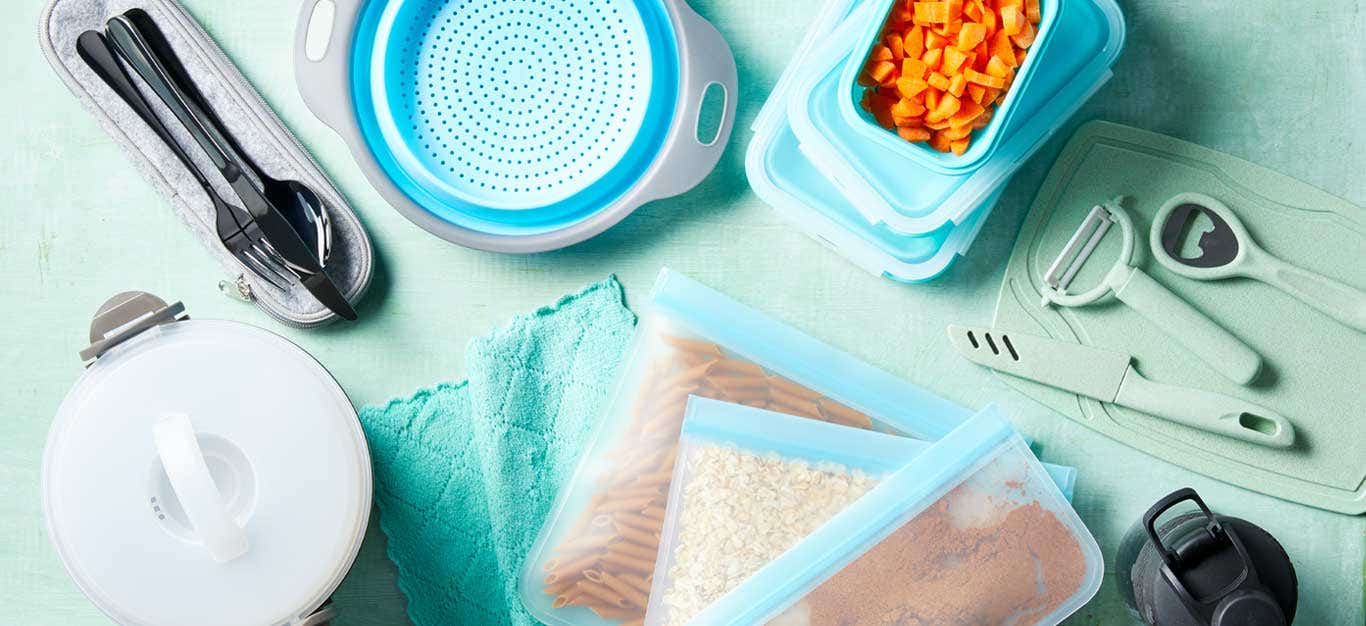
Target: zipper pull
{"points": [[237, 289]]}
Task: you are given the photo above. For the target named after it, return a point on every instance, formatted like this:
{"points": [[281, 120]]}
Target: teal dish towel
{"points": [[466, 473]]}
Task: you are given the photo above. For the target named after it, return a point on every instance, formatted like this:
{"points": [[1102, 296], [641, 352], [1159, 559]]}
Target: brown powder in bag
{"points": [[1016, 566]]}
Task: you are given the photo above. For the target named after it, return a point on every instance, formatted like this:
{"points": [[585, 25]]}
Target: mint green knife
{"points": [[1110, 377]]}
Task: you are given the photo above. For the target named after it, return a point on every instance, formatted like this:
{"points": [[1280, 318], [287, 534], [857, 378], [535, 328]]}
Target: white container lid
{"points": [[265, 453]]}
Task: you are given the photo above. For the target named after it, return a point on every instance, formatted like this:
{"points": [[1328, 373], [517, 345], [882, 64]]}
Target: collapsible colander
{"points": [[518, 125]]}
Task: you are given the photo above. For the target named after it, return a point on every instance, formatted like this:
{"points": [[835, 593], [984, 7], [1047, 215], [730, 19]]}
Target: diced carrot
{"points": [[947, 106], [1026, 37], [881, 70], [948, 30], [913, 42], [934, 40], [937, 125], [932, 58], [985, 80], [941, 66], [941, 143], [982, 121], [957, 84], [983, 53], [910, 87], [1000, 69], [968, 112], [953, 60], [1012, 21], [973, 10], [990, 21], [914, 68], [882, 112], [1002, 47], [956, 132], [909, 109], [893, 42], [976, 92], [931, 12], [914, 134], [971, 35]]}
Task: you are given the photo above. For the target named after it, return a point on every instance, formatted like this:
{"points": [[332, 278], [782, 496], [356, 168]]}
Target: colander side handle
{"points": [[705, 59], [322, 55]]}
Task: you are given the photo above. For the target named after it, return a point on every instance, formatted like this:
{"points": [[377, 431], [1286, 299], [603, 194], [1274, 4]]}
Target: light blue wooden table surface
{"points": [[1279, 83]]}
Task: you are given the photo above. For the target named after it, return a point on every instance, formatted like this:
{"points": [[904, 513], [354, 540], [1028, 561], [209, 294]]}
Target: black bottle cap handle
{"points": [[1162, 506]]}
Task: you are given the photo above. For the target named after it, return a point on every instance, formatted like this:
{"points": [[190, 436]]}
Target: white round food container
{"points": [[204, 472]]}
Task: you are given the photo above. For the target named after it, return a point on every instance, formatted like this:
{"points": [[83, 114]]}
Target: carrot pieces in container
{"points": [[941, 68]]}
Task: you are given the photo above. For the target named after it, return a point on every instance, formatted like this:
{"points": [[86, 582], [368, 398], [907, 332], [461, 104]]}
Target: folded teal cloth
{"points": [[466, 473]]}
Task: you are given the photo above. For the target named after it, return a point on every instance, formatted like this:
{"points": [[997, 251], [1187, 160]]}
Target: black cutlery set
{"points": [[280, 230]]}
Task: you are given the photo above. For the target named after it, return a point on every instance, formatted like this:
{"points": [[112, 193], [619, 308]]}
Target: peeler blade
{"points": [[1079, 248]]}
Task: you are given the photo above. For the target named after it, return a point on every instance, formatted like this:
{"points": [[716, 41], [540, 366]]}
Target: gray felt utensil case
{"points": [[261, 134]]}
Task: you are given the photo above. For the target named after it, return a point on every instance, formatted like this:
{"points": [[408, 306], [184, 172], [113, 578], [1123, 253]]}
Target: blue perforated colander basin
{"points": [[514, 117]]}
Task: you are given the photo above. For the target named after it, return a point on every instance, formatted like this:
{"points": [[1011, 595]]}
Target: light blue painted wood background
{"points": [[1279, 83]]}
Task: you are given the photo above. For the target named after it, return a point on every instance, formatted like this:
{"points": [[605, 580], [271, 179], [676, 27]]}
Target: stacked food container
{"points": [[896, 207]]}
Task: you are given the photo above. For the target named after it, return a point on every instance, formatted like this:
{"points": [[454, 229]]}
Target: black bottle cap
{"points": [[1233, 573]]}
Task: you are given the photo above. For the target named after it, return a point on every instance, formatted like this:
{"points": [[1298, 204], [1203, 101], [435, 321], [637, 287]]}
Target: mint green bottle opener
{"points": [[1228, 251], [1217, 347]]}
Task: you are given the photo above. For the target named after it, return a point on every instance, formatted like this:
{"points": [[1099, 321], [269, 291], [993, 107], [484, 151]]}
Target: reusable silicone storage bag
{"points": [[984, 141], [749, 485], [915, 200], [695, 341], [783, 177], [517, 125], [971, 531]]}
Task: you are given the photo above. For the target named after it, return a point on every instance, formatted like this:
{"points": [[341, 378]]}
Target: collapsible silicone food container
{"points": [[694, 341], [518, 126], [783, 177], [936, 217], [749, 539], [203, 472], [971, 531], [984, 141], [915, 200]]}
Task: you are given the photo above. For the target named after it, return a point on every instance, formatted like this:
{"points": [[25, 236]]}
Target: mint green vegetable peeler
{"points": [[1217, 347]]}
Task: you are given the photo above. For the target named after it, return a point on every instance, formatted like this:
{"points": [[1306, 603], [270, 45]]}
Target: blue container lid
{"points": [[783, 177], [917, 200], [984, 142]]}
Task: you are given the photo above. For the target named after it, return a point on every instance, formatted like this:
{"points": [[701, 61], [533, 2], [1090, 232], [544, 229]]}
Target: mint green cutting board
{"points": [[1315, 368]]}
